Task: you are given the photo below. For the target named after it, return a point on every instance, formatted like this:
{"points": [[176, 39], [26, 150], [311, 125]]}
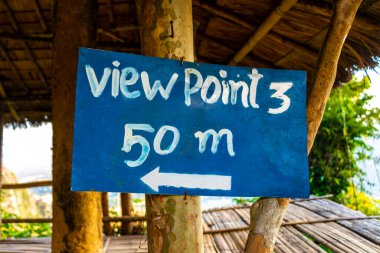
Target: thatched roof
{"points": [[309, 226], [221, 28]]}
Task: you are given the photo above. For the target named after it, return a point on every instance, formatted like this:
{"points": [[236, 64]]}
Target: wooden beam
{"points": [[263, 29], [27, 220], [125, 28], [27, 185], [36, 66], [111, 18], [41, 18], [8, 11], [43, 37], [267, 213], [111, 35], [15, 71], [10, 105], [49, 220], [48, 37], [119, 47], [26, 99]]}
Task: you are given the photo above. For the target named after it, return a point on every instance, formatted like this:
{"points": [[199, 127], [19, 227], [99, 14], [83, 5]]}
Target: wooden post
{"points": [[174, 222], [106, 225], [77, 224], [267, 213], [126, 210]]}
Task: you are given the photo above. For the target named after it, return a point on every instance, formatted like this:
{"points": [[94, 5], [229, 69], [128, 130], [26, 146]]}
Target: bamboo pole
{"points": [[174, 222], [126, 210], [48, 220], [267, 213], [27, 185], [263, 29], [77, 225]]}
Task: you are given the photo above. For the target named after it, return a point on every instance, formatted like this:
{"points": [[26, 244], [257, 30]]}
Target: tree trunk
{"points": [[126, 210], [76, 215], [324, 77], [174, 222], [267, 213]]}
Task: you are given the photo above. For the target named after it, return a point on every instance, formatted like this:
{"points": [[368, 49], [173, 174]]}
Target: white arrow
{"points": [[154, 179]]}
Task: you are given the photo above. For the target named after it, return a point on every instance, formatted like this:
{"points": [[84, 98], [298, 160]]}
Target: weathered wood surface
{"points": [[370, 229], [290, 239], [174, 222], [326, 233]]}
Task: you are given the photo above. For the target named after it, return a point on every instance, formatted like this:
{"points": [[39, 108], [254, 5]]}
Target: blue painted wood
{"points": [[268, 152]]}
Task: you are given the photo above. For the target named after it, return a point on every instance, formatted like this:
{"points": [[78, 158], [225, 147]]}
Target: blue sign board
{"points": [[159, 126]]}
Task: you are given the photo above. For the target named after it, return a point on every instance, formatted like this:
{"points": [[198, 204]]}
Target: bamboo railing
{"points": [[125, 219]]}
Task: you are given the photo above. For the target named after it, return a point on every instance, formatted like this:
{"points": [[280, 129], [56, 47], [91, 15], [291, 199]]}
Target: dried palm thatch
{"points": [[221, 29]]}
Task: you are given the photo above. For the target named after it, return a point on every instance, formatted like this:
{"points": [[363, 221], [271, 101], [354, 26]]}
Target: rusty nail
{"points": [[171, 26]]}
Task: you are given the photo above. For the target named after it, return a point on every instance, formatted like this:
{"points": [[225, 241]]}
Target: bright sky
{"points": [[27, 152]]}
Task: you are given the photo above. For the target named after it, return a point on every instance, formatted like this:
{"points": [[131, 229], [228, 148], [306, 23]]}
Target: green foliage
{"points": [[137, 200], [340, 142], [23, 230], [240, 201]]}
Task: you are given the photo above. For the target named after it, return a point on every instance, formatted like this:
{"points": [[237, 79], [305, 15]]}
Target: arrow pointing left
{"points": [[155, 178]]}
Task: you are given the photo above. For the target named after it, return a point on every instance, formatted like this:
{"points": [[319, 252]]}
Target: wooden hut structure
{"points": [[38, 49], [221, 28]]}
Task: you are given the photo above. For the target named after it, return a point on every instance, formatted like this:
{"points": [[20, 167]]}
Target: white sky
{"points": [[27, 152]]}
